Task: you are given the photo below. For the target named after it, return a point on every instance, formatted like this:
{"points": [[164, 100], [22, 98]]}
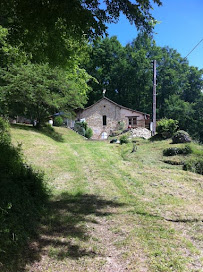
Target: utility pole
{"points": [[154, 99]]}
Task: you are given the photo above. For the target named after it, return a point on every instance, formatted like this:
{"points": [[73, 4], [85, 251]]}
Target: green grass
{"points": [[113, 208]]}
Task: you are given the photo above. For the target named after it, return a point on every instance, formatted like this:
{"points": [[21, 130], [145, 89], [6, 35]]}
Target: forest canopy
{"points": [[50, 30], [126, 73]]}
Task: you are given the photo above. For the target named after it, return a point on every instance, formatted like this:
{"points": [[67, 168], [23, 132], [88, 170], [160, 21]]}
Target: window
{"points": [[132, 121], [104, 120]]}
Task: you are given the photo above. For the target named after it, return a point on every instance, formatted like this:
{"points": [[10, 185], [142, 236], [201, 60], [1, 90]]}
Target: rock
{"points": [[141, 132], [181, 136]]}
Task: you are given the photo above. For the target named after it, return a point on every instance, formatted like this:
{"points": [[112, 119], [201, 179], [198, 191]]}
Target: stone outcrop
{"points": [[141, 132]]}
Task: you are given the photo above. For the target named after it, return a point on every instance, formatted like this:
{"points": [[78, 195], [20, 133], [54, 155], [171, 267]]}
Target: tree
{"points": [[9, 54], [124, 71], [62, 24], [37, 91], [193, 88], [197, 129], [178, 109]]}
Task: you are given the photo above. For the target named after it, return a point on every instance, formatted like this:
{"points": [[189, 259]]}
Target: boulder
{"points": [[181, 137], [141, 132]]}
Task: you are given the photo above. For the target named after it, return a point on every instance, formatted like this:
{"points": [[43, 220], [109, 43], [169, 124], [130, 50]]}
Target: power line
{"points": [[193, 49]]}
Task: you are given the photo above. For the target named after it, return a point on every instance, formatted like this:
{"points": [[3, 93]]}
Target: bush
{"points": [[79, 128], [177, 151], [181, 136], [4, 131], [23, 197], [88, 133], [58, 121], [124, 139], [167, 127], [83, 129], [194, 165]]}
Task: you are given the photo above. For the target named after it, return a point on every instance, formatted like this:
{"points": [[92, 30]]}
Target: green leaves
{"points": [[126, 73], [9, 54], [62, 24], [38, 91]]}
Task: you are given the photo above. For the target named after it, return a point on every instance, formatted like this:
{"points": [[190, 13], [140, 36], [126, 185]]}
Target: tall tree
{"points": [[37, 91], [9, 54], [126, 73], [51, 28], [197, 129]]}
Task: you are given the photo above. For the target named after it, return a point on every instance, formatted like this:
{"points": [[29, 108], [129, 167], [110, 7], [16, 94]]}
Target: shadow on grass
{"points": [[156, 138], [175, 220], [64, 233], [46, 130]]}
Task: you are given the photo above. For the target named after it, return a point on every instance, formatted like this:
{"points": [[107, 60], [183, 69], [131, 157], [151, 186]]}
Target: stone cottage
{"points": [[105, 116]]}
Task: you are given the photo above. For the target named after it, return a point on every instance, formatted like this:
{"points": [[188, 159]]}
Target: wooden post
{"points": [[154, 98]]}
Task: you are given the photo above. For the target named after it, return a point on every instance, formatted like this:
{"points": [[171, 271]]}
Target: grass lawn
{"points": [[113, 210]]}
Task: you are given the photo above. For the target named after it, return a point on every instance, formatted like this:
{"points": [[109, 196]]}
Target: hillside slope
{"points": [[113, 210]]}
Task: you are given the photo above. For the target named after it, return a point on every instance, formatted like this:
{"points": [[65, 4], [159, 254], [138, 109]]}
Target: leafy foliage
{"points": [[83, 129], [62, 24], [4, 131], [126, 73], [167, 127], [124, 139], [194, 165], [9, 54], [177, 151], [88, 133], [58, 121], [37, 91]]}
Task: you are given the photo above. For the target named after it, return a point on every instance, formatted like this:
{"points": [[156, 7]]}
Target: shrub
{"points": [[124, 139], [79, 128], [177, 151], [181, 136], [4, 131], [167, 127], [83, 129], [83, 124], [58, 121], [194, 165], [88, 133]]}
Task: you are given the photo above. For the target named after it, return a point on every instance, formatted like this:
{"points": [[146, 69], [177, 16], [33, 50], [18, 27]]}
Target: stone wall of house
{"points": [[93, 115], [94, 118]]}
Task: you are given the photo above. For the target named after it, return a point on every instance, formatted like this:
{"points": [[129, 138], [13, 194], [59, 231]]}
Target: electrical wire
{"points": [[193, 49]]}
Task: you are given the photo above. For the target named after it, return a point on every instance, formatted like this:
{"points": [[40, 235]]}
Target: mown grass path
{"points": [[112, 210]]}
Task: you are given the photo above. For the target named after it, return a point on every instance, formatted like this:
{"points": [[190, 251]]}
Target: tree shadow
{"points": [[63, 231], [156, 138], [46, 130], [175, 220]]}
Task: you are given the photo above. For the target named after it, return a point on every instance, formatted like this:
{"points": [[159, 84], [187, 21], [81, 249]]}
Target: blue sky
{"points": [[181, 28]]}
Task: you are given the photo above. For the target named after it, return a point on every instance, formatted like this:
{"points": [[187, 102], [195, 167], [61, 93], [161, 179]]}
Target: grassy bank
{"points": [[113, 210]]}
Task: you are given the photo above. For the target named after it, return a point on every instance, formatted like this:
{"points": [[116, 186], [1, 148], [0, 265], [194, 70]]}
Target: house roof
{"points": [[120, 106]]}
